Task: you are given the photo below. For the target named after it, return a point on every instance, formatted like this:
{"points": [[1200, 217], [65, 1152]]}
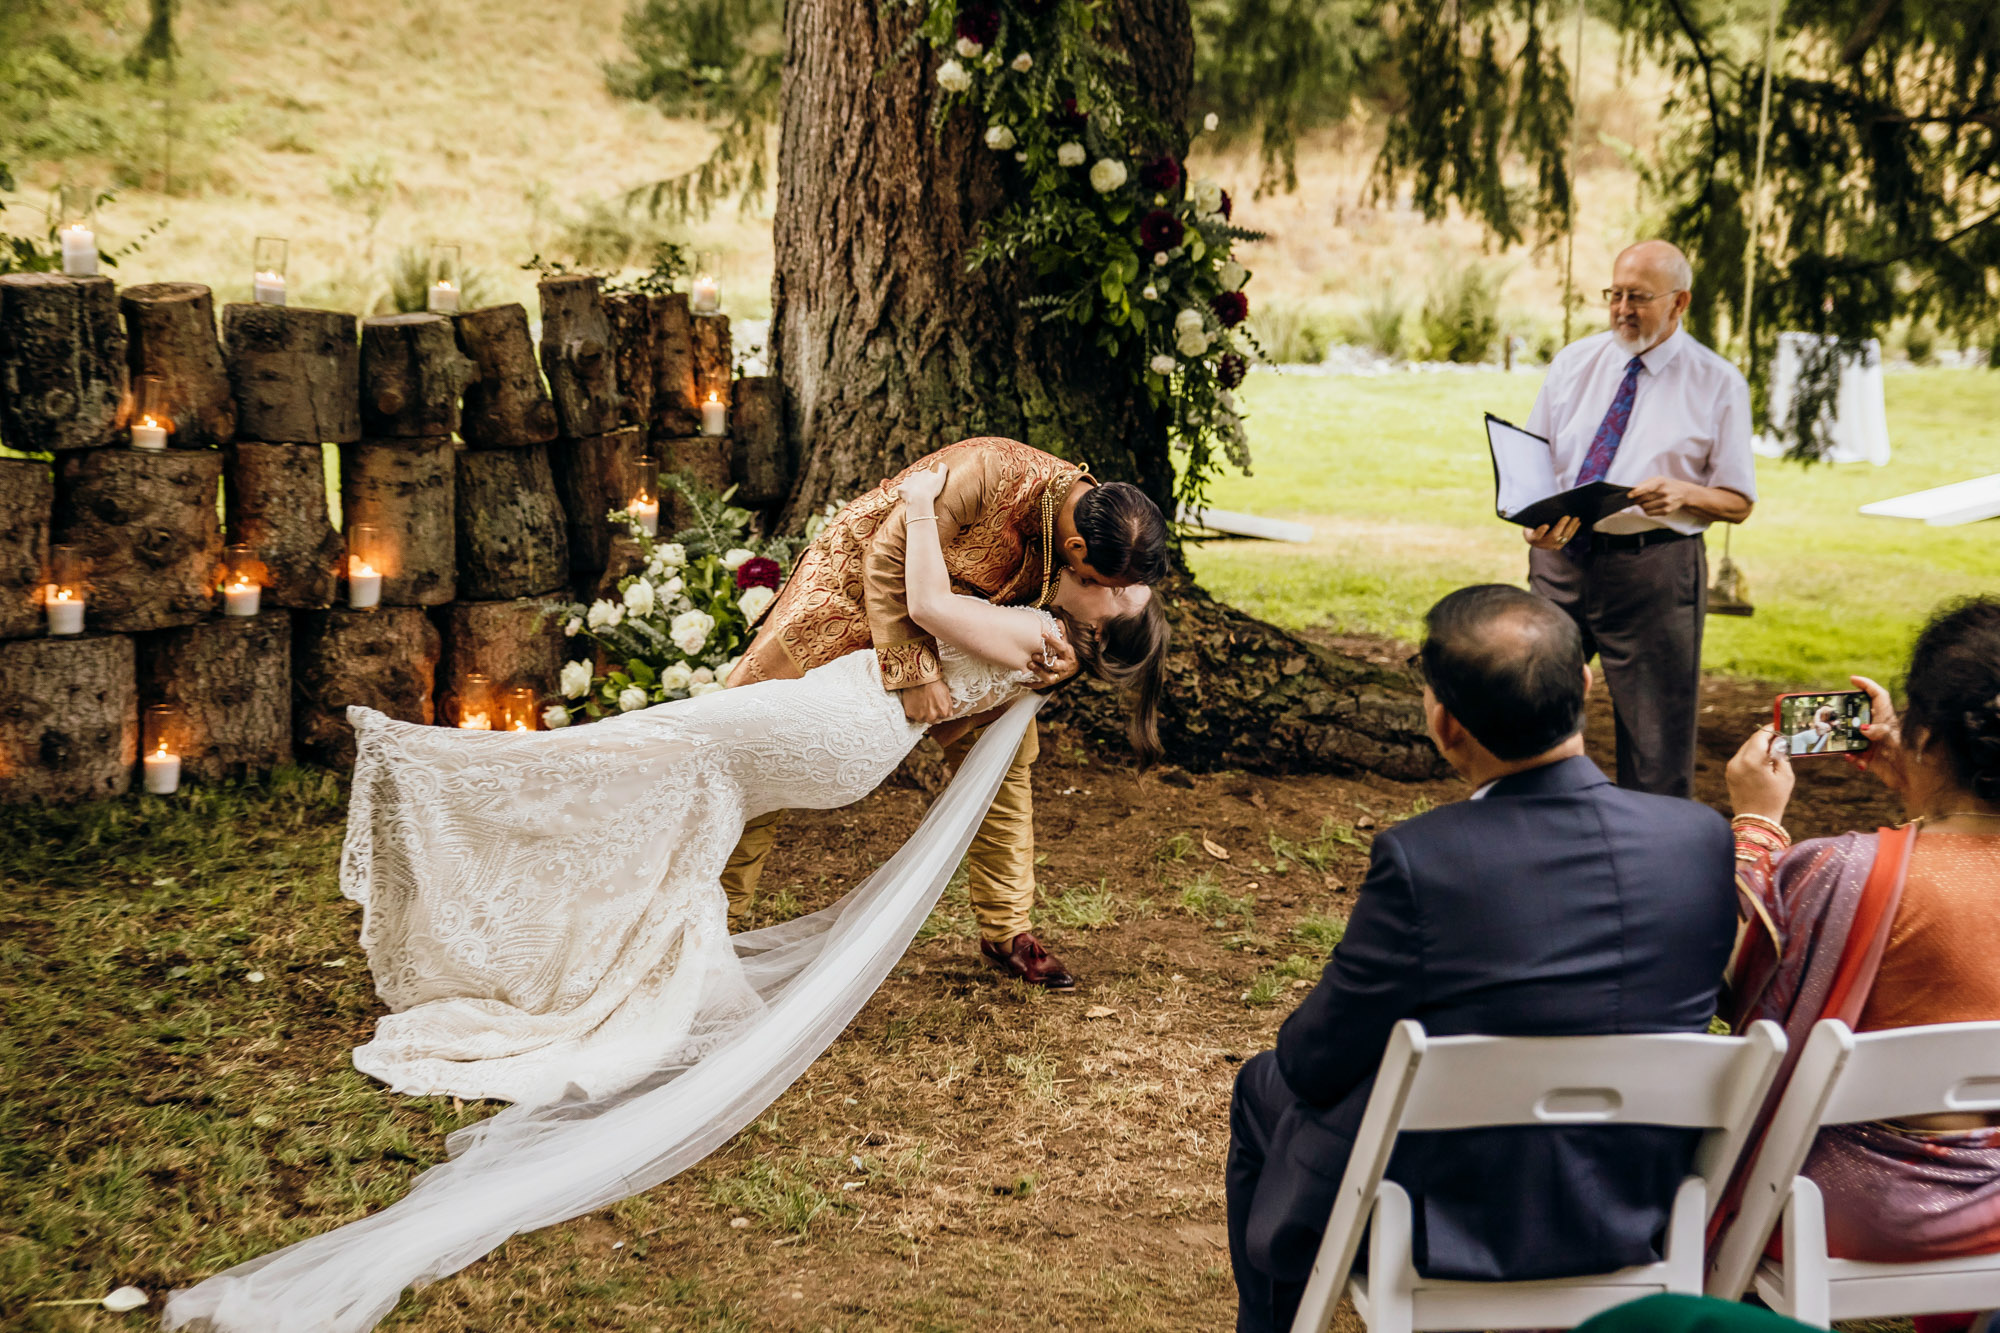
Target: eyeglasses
{"points": [[1613, 295]]}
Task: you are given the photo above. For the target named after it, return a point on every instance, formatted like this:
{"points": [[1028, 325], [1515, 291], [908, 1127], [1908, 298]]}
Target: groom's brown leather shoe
{"points": [[1025, 958]]}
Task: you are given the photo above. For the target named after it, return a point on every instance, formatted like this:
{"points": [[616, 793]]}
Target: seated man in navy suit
{"points": [[1551, 903]]}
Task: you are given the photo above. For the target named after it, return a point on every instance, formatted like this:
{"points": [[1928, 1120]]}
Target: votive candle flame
{"points": [[269, 287], [364, 585], [163, 771], [443, 296], [65, 608], [148, 433], [79, 251]]}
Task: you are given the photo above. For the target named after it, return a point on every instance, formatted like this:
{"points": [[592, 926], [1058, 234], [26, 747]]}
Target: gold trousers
{"points": [[1000, 864]]}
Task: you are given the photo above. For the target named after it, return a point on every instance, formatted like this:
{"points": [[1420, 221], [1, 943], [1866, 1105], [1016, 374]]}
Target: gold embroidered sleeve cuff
{"points": [[908, 664]]}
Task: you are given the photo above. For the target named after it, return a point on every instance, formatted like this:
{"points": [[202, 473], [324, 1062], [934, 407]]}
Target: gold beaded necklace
{"points": [[1049, 502]]}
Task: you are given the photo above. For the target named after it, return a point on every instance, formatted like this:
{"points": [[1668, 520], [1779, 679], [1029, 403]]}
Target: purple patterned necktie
{"points": [[1604, 445]]}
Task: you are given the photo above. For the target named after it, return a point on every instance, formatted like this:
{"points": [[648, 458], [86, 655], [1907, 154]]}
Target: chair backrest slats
{"points": [[1918, 1071]]}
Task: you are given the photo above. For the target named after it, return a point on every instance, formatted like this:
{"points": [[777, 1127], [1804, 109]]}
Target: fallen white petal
{"points": [[254, 976], [739, 1222], [123, 1299]]}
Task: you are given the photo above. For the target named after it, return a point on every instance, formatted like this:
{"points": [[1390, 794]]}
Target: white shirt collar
{"points": [[1658, 357], [1484, 787]]}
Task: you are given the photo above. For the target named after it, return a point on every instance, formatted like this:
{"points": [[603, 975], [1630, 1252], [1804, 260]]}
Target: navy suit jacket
{"points": [[1556, 905]]}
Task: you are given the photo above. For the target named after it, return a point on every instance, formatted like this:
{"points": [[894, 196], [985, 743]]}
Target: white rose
{"points": [[1023, 63], [575, 624], [639, 598], [999, 138], [696, 691], [1206, 196], [966, 47], [1150, 292], [953, 77], [701, 676], [672, 587], [1160, 258], [722, 673], [575, 679], [604, 615], [1194, 342], [555, 716], [1231, 275], [1070, 155], [1209, 122], [655, 567], [1020, 157], [676, 677], [1189, 318], [630, 698], [1107, 175], [690, 631], [1163, 364], [671, 556], [733, 560], [753, 601]]}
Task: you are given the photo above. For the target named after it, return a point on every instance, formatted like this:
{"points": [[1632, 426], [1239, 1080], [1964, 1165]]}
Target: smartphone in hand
{"points": [[1828, 722]]}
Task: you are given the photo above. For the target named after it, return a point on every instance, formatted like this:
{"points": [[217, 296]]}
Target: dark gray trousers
{"points": [[1641, 614]]}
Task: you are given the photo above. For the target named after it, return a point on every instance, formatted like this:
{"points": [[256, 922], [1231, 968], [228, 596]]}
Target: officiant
{"points": [[1644, 405]]}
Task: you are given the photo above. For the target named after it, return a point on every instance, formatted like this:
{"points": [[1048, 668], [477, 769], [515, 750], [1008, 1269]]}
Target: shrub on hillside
{"points": [[1460, 320]]}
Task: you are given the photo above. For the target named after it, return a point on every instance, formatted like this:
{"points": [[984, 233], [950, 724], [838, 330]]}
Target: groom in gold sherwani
{"points": [[1010, 520]]}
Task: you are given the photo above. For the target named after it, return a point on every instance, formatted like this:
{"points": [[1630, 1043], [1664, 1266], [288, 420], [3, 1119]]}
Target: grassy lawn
{"points": [[1393, 476]]}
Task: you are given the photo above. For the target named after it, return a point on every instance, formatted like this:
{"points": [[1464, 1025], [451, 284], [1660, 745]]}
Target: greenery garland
{"points": [[1121, 242]]}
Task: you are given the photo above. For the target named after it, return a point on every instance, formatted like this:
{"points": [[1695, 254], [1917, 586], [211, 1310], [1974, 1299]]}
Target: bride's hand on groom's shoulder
{"points": [[925, 485]]}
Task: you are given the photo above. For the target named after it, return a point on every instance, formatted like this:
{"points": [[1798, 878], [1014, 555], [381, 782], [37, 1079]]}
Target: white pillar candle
{"points": [[443, 297], [714, 417], [147, 435], [65, 612], [364, 587], [163, 773], [648, 514], [706, 298], [241, 600], [269, 288], [475, 722], [79, 251]]}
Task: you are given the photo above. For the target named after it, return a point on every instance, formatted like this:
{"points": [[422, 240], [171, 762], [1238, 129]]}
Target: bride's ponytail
{"points": [[1130, 654]]}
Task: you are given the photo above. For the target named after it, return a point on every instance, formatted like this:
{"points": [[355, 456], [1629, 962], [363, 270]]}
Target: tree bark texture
{"points": [[714, 358], [296, 373], [760, 461], [512, 538], [170, 332], [27, 503], [577, 356], [62, 362], [505, 404], [705, 458], [407, 489], [594, 476], [69, 719], [232, 678], [145, 522], [514, 643], [676, 405], [630, 316], [888, 348], [412, 375], [625, 557], [275, 503], [384, 659]]}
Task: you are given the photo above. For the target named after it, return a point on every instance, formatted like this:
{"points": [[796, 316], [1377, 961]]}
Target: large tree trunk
{"points": [[69, 719], [888, 348]]}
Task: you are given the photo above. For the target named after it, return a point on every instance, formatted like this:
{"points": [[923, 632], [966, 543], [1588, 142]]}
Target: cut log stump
{"points": [[27, 503], [406, 489], [630, 316], [412, 376], [296, 373], [761, 462], [69, 719], [577, 356], [145, 522], [62, 362], [514, 643], [276, 503], [383, 659], [705, 458], [512, 538], [170, 333], [676, 404], [505, 404], [232, 679], [593, 477], [625, 557], [713, 358]]}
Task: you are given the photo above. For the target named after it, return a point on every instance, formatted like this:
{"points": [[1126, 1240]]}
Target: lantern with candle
{"points": [[518, 709], [243, 578], [645, 505], [365, 561], [77, 208], [714, 416], [704, 296], [475, 702], [161, 753], [152, 415], [268, 273], [442, 295], [66, 591]]}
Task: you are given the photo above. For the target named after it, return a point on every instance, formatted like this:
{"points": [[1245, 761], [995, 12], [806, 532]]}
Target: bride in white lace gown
{"points": [[545, 919]]}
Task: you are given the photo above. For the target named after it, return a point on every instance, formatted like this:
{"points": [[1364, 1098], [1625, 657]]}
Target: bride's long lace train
{"points": [[532, 1166]]}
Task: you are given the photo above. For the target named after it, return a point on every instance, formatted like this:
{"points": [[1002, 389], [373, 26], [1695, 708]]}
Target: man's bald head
{"points": [[1655, 269], [1508, 665]]}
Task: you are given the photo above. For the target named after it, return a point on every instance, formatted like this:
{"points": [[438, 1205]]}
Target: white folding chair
{"points": [[1842, 1079], [1435, 1083]]}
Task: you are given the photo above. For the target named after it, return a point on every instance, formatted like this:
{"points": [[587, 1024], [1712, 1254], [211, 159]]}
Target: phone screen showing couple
{"points": [[1827, 723]]}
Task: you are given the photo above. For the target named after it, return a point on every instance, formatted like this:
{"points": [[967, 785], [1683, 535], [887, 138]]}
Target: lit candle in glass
{"points": [[714, 416], [160, 755], [442, 295], [152, 417], [65, 595], [475, 702], [79, 241], [645, 504], [268, 282], [704, 297], [364, 567], [242, 581], [517, 709]]}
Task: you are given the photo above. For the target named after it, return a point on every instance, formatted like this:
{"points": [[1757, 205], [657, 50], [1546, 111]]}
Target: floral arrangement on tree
{"points": [[679, 624], [1123, 243]]}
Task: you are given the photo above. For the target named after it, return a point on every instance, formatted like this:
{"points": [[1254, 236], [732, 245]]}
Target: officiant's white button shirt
{"points": [[1690, 420]]}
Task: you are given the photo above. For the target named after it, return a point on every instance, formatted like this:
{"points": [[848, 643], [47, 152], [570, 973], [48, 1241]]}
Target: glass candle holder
{"points": [[76, 229], [476, 704], [518, 709], [365, 562], [161, 747], [704, 295], [243, 576], [268, 270], [442, 293], [66, 591], [645, 504], [152, 413]]}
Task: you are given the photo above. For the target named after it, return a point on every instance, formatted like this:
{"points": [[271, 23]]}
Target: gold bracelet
{"points": [[918, 518], [1768, 823]]}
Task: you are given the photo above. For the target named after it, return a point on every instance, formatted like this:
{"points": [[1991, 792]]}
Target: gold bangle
{"points": [[1767, 822], [919, 518]]}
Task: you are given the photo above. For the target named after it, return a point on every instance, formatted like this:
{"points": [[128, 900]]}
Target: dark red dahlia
{"points": [[1067, 117], [759, 571], [1230, 308], [1226, 204], [1161, 174], [980, 23], [1231, 369], [1160, 230]]}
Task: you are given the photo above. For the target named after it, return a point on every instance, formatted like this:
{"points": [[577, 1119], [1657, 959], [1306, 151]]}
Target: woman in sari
{"points": [[1890, 929]]}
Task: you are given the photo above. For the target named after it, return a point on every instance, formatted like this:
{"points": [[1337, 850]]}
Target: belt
{"points": [[1633, 541]]}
